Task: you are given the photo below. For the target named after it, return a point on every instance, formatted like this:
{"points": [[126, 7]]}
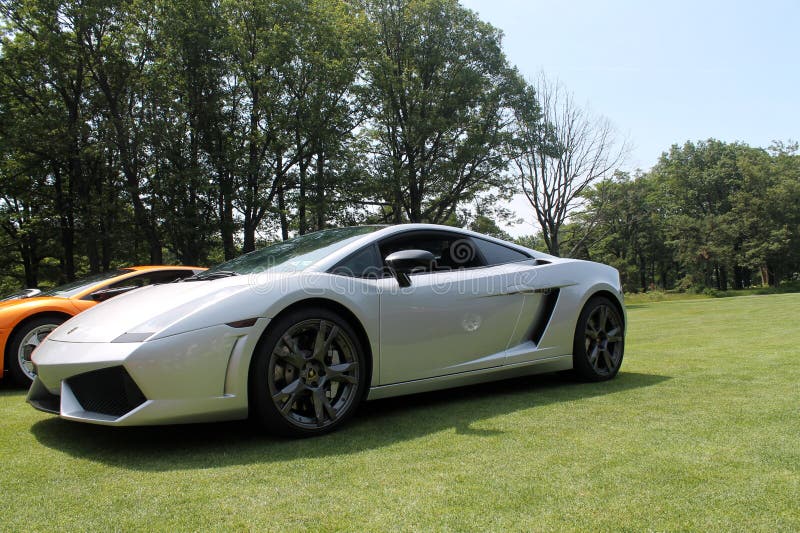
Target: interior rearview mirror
{"points": [[403, 262]]}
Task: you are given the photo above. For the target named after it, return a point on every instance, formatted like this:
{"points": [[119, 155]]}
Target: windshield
{"points": [[75, 287], [292, 255]]}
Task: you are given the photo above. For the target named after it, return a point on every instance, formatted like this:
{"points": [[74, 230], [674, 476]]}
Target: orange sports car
{"points": [[27, 317]]}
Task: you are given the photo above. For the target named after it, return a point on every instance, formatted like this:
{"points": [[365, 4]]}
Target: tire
{"points": [[599, 343], [21, 344], [308, 375]]}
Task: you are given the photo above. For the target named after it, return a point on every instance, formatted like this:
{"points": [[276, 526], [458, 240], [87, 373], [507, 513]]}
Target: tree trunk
{"points": [[225, 207], [282, 213], [765, 277], [302, 172], [249, 233], [553, 245], [320, 191], [66, 226], [643, 274], [128, 165], [29, 264], [738, 277]]}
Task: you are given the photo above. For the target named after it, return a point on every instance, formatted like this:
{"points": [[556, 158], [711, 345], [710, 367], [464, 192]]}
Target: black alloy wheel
{"points": [[599, 341], [309, 374]]}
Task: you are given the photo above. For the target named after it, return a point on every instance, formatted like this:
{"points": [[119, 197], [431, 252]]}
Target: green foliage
{"points": [[707, 217], [186, 130], [440, 92], [190, 131]]}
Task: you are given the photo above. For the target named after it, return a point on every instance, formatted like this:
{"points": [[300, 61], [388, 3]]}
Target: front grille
{"points": [[108, 391]]}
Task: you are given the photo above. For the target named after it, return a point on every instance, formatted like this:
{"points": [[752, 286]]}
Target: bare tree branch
{"points": [[563, 152]]}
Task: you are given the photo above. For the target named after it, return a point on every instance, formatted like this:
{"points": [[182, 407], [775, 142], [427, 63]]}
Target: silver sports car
{"points": [[297, 334]]}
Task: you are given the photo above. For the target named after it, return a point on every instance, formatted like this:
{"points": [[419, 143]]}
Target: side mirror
{"points": [[21, 295], [104, 294], [404, 262]]}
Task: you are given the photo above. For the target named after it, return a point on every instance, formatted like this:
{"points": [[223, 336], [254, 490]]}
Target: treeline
{"points": [[150, 131], [136, 131], [708, 215]]}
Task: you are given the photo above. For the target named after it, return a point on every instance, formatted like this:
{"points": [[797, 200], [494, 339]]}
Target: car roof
{"points": [[141, 268], [129, 272], [398, 229]]}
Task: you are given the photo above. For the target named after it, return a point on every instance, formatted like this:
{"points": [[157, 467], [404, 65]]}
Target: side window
{"points": [[148, 278], [497, 254], [452, 251], [152, 278], [363, 264]]}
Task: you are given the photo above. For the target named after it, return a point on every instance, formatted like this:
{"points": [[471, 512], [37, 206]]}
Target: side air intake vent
{"points": [[109, 391], [548, 306]]}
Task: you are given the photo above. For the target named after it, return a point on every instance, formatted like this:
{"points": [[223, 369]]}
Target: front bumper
{"points": [[196, 376]]}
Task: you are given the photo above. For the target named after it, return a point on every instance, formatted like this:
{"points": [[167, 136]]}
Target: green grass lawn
{"points": [[700, 431]]}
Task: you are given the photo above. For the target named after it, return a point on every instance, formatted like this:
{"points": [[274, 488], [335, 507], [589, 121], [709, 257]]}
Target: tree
{"points": [[560, 155], [117, 37], [328, 53], [764, 211], [439, 94], [698, 181], [628, 230]]}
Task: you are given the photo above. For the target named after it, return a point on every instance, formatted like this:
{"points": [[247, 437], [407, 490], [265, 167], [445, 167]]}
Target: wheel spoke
{"points": [[319, 341], [603, 317], [321, 406], [290, 351], [322, 343], [607, 357], [33, 341], [591, 332], [290, 392], [339, 372], [593, 356]]}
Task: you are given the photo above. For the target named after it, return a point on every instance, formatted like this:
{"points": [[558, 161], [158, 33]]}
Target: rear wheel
{"points": [[599, 341], [21, 346], [309, 374]]}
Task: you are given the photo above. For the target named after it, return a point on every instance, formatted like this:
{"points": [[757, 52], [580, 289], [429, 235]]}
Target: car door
{"points": [[457, 318]]}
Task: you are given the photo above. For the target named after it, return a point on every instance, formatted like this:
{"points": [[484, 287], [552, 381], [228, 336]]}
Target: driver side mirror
{"points": [[404, 262], [30, 293]]}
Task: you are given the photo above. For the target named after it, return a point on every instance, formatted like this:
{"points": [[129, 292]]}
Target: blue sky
{"points": [[664, 72]]}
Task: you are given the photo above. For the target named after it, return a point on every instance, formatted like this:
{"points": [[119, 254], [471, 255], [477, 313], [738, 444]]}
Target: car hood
{"points": [[155, 311]]}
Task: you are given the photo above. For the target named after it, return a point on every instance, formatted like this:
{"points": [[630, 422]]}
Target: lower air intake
{"points": [[109, 391]]}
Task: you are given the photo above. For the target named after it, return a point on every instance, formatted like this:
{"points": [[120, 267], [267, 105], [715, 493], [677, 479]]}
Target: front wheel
{"points": [[599, 341], [309, 374], [22, 344]]}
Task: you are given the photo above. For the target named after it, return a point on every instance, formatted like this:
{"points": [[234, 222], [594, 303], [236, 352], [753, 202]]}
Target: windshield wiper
{"points": [[203, 276]]}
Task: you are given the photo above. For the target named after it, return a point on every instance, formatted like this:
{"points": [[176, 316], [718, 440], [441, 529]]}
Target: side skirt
{"points": [[540, 366]]}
